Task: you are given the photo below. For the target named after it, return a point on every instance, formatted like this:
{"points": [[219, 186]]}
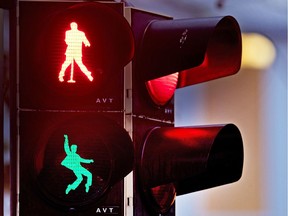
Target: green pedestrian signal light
{"points": [[73, 162]]}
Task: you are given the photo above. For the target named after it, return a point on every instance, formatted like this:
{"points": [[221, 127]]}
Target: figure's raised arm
{"points": [[86, 160], [66, 144]]}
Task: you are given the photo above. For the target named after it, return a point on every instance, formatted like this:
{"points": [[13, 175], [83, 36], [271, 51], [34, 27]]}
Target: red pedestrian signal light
{"points": [[75, 53], [74, 39]]}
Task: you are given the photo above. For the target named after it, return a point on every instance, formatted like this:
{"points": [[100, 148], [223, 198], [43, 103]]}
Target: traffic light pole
{"points": [[1, 110], [13, 111], [128, 125]]}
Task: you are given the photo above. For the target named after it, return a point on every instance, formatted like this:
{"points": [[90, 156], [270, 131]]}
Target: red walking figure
{"points": [[74, 39]]}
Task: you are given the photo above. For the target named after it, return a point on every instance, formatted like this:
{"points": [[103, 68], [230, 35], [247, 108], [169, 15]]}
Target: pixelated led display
{"points": [[74, 40], [73, 162]]}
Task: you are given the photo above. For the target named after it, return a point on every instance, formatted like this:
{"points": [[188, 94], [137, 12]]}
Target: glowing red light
{"points": [[162, 89], [74, 39]]}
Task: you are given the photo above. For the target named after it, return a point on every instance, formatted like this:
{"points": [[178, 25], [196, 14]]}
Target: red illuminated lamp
{"points": [[199, 49], [161, 90]]}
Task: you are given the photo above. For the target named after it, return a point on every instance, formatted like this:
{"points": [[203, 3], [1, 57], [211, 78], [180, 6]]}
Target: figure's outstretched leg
{"points": [[75, 184], [88, 174], [84, 68], [68, 189], [89, 181], [64, 66]]}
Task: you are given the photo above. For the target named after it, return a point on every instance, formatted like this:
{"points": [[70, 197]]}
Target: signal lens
{"points": [[75, 158], [162, 89]]}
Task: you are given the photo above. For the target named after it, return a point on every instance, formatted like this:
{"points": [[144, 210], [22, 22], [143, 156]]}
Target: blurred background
{"points": [[255, 100]]}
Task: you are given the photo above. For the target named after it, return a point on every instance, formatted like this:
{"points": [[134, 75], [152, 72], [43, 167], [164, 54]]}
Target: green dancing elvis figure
{"points": [[73, 162]]}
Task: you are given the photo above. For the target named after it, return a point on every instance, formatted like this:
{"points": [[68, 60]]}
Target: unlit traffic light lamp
{"points": [[181, 160]]}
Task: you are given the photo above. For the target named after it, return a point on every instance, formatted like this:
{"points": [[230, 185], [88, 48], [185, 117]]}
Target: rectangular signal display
{"points": [[71, 55]]}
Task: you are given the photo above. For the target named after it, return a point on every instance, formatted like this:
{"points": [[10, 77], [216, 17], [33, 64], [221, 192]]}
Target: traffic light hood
{"points": [[201, 49], [181, 160]]}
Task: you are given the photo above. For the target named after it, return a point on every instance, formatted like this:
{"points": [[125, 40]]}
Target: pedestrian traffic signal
{"points": [[75, 53], [70, 162], [171, 161], [74, 151]]}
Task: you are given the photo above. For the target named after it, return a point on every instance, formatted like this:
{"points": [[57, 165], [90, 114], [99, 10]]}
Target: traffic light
{"points": [[181, 160], [171, 161], [54, 33], [78, 108], [73, 149], [200, 49], [70, 161]]}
